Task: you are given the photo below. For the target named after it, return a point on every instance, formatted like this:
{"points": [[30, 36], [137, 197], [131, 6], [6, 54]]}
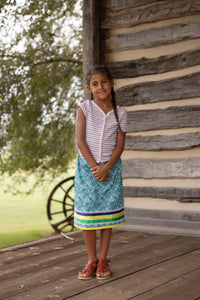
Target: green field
{"points": [[23, 216]]}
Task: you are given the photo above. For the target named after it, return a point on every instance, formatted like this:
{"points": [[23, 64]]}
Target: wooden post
{"points": [[91, 37]]}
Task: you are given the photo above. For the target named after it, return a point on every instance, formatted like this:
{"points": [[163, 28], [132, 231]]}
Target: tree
{"points": [[41, 83]]}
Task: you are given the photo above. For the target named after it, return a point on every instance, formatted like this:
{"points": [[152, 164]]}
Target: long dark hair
{"points": [[104, 70]]}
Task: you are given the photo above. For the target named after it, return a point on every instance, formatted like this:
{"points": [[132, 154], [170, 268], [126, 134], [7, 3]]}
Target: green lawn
{"points": [[23, 216]]}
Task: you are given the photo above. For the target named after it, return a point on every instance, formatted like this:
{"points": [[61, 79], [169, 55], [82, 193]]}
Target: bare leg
{"points": [[105, 237], [103, 269], [90, 243]]}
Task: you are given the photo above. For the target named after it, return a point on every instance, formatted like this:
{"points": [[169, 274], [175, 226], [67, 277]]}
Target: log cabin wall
{"points": [[152, 49]]}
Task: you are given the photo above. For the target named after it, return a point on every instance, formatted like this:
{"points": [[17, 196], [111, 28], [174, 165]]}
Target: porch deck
{"points": [[145, 266]]}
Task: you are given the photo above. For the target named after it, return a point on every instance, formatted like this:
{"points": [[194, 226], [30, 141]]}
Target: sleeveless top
{"points": [[101, 129]]}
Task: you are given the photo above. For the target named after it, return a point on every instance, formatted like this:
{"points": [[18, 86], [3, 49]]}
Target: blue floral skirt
{"points": [[98, 204]]}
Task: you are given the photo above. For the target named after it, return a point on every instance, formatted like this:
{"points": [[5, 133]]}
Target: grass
{"points": [[23, 217]]}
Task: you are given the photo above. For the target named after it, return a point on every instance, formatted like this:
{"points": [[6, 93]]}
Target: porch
{"points": [[144, 265]]}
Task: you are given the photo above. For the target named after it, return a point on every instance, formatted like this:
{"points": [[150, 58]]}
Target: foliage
{"points": [[41, 72]]}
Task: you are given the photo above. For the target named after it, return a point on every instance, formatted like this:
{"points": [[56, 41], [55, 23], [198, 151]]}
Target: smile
{"points": [[102, 92]]}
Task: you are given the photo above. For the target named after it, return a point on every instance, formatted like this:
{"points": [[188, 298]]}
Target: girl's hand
{"points": [[101, 172]]}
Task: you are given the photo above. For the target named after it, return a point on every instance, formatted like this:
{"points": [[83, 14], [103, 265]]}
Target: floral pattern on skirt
{"points": [[98, 204]]}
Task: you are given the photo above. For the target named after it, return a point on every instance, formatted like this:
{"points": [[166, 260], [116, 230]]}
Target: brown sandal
{"points": [[88, 271], [103, 267]]}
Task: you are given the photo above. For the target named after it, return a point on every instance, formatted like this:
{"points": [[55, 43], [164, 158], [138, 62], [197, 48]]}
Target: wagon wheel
{"points": [[60, 206]]}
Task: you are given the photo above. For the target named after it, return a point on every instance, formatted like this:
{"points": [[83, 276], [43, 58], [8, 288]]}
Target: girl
{"points": [[99, 204]]}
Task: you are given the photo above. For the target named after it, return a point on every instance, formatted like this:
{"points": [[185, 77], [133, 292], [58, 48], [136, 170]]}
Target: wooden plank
{"points": [[60, 280], [42, 249], [175, 219], [161, 168], [163, 225], [161, 64], [157, 12], [184, 287], [182, 87], [64, 266], [23, 259], [91, 36], [20, 263], [142, 277], [117, 5], [140, 282], [168, 118], [183, 195], [152, 37], [163, 142]]}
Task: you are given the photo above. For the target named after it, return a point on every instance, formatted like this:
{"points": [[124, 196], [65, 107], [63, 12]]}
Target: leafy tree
{"points": [[41, 83]]}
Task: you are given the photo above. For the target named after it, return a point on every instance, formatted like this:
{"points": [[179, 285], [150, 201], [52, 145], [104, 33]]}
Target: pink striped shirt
{"points": [[101, 129]]}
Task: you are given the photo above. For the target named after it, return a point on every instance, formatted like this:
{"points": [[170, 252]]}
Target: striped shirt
{"points": [[101, 129]]}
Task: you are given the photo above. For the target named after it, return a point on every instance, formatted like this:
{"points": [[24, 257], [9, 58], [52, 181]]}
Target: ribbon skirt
{"points": [[98, 204]]}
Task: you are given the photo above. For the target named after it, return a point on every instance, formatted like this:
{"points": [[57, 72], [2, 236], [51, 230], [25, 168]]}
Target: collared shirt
{"points": [[101, 129]]}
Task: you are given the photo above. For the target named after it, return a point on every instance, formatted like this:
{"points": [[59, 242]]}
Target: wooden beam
{"points": [[161, 168], [153, 37], [156, 12], [117, 5], [169, 118], [161, 64], [163, 142], [182, 87], [91, 36], [179, 194]]}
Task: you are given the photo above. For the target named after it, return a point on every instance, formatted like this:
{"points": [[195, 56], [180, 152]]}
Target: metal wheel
{"points": [[60, 206]]}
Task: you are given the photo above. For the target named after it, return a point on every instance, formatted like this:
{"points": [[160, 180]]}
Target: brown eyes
{"points": [[95, 84]]}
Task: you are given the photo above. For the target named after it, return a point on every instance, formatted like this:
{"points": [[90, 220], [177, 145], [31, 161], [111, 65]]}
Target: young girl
{"points": [[99, 203]]}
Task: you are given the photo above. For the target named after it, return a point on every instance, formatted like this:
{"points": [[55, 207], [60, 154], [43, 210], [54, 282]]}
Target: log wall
{"points": [[153, 51], [152, 48]]}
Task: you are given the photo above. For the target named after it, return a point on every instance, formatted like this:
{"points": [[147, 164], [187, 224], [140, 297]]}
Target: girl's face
{"points": [[100, 86]]}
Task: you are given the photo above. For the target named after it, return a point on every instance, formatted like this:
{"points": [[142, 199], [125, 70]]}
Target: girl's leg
{"points": [[90, 243], [103, 269], [105, 237]]}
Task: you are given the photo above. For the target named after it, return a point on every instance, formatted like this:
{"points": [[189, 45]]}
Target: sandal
{"points": [[103, 269], [88, 271]]}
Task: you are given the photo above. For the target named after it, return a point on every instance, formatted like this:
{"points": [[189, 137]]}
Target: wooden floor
{"points": [[145, 266]]}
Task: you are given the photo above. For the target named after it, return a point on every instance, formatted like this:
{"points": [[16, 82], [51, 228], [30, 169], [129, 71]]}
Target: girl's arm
{"points": [[100, 172], [80, 137]]}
